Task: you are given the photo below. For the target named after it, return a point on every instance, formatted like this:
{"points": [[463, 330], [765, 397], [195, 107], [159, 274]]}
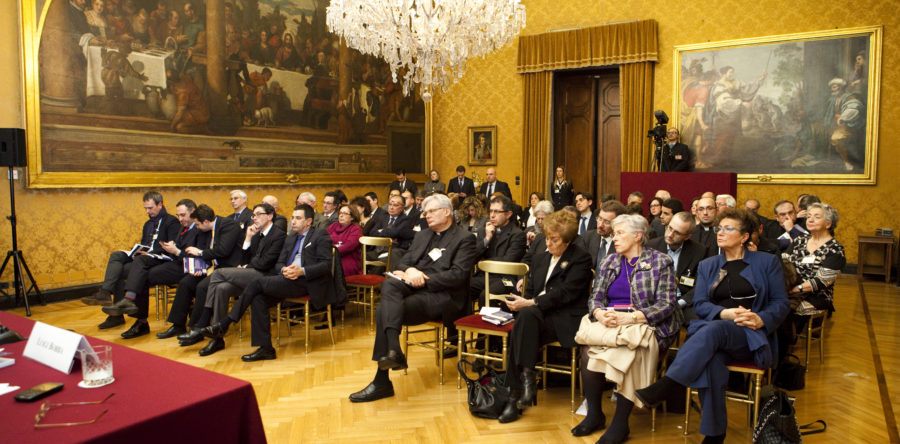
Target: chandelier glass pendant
{"points": [[426, 41]]}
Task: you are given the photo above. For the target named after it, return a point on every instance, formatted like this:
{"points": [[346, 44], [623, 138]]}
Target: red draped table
{"points": [[156, 400]]}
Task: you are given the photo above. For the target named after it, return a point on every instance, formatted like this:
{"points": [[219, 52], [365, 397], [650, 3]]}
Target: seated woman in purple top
{"points": [[345, 235], [643, 279]]}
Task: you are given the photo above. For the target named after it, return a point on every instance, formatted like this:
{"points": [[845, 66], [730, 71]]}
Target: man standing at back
{"points": [[403, 183], [491, 185], [161, 227], [461, 185]]}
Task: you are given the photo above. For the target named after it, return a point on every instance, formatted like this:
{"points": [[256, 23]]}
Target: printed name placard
{"points": [[54, 347]]}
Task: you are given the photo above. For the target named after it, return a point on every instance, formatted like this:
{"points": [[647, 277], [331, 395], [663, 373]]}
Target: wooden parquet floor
{"points": [[303, 398]]}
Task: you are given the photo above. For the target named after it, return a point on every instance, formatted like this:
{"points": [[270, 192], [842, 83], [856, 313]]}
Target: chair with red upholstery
{"points": [[364, 285]]}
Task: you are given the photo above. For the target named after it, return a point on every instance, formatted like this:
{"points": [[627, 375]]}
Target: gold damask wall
{"points": [[490, 93]]}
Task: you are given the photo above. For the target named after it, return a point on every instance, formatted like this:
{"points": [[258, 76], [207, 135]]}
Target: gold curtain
{"points": [[636, 86], [633, 46], [536, 131], [598, 46]]}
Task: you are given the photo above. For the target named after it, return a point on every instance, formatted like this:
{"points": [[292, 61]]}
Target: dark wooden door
{"points": [[587, 129]]}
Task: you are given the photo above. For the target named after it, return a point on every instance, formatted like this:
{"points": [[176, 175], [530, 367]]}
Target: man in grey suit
{"points": [[599, 242], [432, 285]]}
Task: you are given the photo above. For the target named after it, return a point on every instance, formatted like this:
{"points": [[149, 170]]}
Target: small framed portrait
{"points": [[482, 144]]}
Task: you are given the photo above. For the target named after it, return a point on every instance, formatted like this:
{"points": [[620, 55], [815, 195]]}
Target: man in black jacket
{"points": [[261, 247], [220, 250], [687, 255], [599, 242], [161, 227], [432, 285], [500, 240], [242, 214], [676, 156], [403, 183], [394, 225], [462, 185], [148, 270], [304, 268], [491, 185]]}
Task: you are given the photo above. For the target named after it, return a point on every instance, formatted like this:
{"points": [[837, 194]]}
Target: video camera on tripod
{"points": [[658, 134]]}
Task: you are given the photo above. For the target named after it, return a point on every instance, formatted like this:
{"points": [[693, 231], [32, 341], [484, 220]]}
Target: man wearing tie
{"points": [[599, 242], [395, 225], [583, 203], [462, 185], [402, 183], [242, 215], [304, 268], [686, 254], [501, 240], [491, 185]]}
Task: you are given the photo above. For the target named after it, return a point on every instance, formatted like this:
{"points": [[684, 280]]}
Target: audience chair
{"points": [[165, 301], [364, 285], [750, 398], [474, 325], [303, 302], [811, 331], [437, 344], [572, 369]]}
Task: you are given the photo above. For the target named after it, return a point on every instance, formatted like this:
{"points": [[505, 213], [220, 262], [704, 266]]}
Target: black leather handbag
{"points": [[790, 374], [487, 392], [777, 423]]}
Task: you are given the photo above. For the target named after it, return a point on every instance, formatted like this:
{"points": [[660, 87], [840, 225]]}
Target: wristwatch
{"points": [[800, 287]]}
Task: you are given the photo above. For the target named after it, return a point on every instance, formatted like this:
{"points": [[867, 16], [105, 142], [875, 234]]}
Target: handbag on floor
{"points": [[777, 423], [487, 392]]}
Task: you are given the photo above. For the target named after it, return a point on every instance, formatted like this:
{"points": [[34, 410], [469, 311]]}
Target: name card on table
{"points": [[54, 347]]}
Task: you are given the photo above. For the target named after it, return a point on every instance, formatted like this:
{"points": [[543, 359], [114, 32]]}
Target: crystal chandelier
{"points": [[426, 41]]}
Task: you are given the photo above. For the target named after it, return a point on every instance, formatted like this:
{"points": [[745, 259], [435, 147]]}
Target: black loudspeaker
{"points": [[12, 147]]}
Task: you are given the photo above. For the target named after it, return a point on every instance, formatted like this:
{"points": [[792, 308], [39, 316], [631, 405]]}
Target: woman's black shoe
{"points": [[510, 413], [529, 389], [585, 427]]}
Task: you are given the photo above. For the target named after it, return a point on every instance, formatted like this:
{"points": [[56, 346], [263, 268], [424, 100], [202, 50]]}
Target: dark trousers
{"points": [[701, 363], [116, 272], [189, 287], [531, 330], [146, 271], [402, 305], [262, 294]]}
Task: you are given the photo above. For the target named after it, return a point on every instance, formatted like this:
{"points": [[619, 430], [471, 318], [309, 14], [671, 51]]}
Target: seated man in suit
{"points": [[396, 226], [461, 185], [278, 220], [304, 267], [409, 205], [329, 210], [584, 203], [148, 270], [686, 254], [219, 248], [669, 208], [491, 185], [599, 242], [241, 212], [160, 227], [432, 286], [788, 227], [261, 247], [501, 240], [403, 183]]}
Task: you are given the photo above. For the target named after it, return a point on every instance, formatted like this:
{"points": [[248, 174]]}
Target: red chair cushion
{"points": [[749, 365], [475, 321], [365, 279]]}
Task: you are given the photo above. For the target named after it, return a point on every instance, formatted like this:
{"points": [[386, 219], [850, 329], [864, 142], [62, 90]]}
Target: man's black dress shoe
{"points": [[393, 360], [213, 346], [123, 307], [174, 330], [111, 321], [190, 338], [138, 329], [214, 331], [258, 355], [373, 392]]}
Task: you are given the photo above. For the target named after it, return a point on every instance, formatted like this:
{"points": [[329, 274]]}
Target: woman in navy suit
{"points": [[554, 302], [741, 301]]}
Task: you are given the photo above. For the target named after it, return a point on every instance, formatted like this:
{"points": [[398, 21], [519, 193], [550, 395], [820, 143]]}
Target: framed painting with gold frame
{"points": [[482, 145], [797, 108], [149, 104]]}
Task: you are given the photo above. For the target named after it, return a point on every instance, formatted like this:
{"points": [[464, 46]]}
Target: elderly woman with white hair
{"points": [[818, 259], [632, 317]]}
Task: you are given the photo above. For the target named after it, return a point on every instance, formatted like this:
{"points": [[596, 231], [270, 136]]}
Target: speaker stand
{"points": [[18, 260]]}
